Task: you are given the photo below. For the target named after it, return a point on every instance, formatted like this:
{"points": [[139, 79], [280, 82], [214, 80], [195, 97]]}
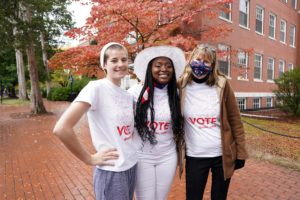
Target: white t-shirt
{"points": [[111, 121], [162, 123], [202, 121]]}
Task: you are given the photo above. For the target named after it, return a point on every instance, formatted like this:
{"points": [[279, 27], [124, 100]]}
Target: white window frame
{"points": [[242, 103], [243, 61], [294, 4], [283, 31], [279, 102], [291, 66], [258, 64], [256, 105], [257, 16], [226, 58], [273, 26], [281, 66], [247, 3], [270, 67], [292, 35], [269, 102], [223, 13]]}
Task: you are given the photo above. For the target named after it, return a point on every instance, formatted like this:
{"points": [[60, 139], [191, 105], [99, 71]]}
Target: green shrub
{"points": [[78, 84], [59, 94], [44, 92], [288, 91], [65, 93]]}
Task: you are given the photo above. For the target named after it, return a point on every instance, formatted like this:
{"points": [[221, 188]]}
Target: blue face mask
{"points": [[199, 68]]}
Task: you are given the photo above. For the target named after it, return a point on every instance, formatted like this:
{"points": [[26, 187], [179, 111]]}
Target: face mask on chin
{"points": [[199, 68]]}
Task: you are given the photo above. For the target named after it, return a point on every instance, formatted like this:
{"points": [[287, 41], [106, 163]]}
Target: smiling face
{"points": [[116, 65], [162, 70]]}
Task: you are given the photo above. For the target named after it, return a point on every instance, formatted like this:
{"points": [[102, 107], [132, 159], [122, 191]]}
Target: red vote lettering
{"points": [[193, 120], [159, 125], [125, 129], [213, 120], [202, 121]]}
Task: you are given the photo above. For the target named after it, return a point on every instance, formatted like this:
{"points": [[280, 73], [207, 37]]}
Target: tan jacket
{"points": [[232, 130]]}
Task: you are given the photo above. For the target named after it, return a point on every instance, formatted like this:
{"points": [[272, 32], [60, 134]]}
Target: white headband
{"points": [[105, 48]]}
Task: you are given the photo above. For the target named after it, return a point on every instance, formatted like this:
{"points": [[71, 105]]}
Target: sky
{"points": [[80, 13]]}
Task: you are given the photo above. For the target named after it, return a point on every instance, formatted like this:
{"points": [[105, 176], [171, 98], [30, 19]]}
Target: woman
{"points": [[214, 133], [110, 115], [158, 120]]}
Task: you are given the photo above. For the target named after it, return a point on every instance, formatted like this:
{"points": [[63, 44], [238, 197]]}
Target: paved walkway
{"points": [[35, 165]]}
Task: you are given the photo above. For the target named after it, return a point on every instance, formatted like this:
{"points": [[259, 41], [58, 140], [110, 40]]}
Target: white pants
{"points": [[154, 179]]}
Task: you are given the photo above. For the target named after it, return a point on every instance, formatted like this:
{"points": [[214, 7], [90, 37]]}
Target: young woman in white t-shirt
{"points": [[158, 119], [214, 133], [109, 110]]}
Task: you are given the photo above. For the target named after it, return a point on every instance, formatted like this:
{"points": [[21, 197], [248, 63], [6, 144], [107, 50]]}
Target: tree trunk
{"points": [[37, 105], [45, 58], [21, 75], [20, 66]]}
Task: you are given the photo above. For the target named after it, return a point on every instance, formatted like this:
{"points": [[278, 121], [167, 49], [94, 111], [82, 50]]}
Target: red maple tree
{"points": [[138, 24]]}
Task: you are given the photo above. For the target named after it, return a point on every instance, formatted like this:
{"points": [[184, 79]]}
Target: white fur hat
{"points": [[104, 49], [144, 57]]}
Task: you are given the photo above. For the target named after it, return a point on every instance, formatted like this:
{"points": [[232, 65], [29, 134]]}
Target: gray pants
{"points": [[110, 185]]}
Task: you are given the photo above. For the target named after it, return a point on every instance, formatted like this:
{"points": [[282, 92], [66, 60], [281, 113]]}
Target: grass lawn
{"points": [[274, 148], [12, 102]]}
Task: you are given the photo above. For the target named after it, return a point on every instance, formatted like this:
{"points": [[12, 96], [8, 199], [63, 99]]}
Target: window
{"points": [[241, 103], [272, 26], [256, 103], [244, 13], [281, 67], [259, 23], [257, 66], [291, 66], [271, 63], [294, 4], [282, 30], [269, 102], [225, 15], [243, 65], [292, 35], [224, 59], [279, 101]]}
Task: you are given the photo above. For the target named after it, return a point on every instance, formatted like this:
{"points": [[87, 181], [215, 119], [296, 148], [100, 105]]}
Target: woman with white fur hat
{"points": [[158, 119], [109, 110]]}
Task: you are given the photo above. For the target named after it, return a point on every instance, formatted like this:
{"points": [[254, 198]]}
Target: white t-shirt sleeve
{"points": [[135, 91], [88, 94]]}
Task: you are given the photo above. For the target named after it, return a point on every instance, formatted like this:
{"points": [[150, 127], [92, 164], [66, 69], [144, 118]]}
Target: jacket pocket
{"points": [[233, 151]]}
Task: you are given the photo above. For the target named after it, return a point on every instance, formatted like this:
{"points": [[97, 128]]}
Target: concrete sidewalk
{"points": [[35, 165]]}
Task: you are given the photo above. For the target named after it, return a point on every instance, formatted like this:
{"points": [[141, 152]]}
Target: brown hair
{"points": [[112, 47]]}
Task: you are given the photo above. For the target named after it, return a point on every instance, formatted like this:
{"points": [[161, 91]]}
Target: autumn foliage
{"points": [[138, 24]]}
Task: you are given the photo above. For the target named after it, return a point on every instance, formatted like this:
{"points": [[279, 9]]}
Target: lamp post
{"points": [[71, 94], [1, 91], [71, 81]]}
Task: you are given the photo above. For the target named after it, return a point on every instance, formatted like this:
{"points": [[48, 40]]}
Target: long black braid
{"points": [[141, 116]]}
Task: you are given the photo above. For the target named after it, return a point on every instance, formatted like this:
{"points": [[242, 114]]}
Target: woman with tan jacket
{"points": [[214, 133]]}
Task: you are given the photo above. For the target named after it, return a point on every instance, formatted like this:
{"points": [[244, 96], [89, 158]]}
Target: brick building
{"points": [[271, 28]]}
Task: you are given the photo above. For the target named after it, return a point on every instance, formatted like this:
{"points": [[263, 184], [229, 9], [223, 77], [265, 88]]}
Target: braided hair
{"points": [[141, 117]]}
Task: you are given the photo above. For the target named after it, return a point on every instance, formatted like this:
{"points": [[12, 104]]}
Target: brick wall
{"points": [[245, 38]]}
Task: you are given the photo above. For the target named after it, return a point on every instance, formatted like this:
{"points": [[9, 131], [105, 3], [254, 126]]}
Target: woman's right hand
{"points": [[101, 158]]}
